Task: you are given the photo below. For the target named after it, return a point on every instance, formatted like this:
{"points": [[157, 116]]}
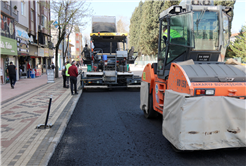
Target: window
{"points": [[23, 6], [161, 55], [181, 30], [32, 15], [225, 30], [46, 40], [206, 30], [38, 19], [43, 21], [174, 51]]}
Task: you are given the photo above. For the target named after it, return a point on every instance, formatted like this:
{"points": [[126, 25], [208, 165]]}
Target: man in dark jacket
{"points": [[11, 70], [64, 75], [86, 52], [73, 72]]}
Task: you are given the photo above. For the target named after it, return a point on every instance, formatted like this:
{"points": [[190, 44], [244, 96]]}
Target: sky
{"points": [[124, 9]]}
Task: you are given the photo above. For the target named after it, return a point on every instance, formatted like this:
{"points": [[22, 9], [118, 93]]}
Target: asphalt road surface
{"points": [[108, 128]]}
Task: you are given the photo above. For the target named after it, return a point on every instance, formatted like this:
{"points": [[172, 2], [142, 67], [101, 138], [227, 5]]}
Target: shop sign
{"points": [[51, 53], [22, 50], [7, 27], [22, 46], [33, 50], [41, 52], [8, 46], [21, 33], [46, 52]]}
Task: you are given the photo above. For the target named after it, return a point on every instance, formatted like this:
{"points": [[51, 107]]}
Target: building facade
{"points": [[8, 43], [76, 40], [31, 34]]}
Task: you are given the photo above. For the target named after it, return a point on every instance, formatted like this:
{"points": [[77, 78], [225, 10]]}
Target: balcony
{"points": [[5, 7]]}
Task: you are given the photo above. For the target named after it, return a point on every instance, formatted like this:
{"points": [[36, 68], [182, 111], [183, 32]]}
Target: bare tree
{"points": [[122, 25], [68, 12], [69, 30], [86, 39]]}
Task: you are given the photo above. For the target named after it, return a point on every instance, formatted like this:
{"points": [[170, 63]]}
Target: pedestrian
{"points": [[66, 72], [20, 73], [73, 72], [1, 74], [53, 66], [11, 70], [28, 67], [64, 75]]}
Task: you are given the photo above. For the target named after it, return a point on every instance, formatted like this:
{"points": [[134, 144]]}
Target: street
{"points": [[108, 128]]}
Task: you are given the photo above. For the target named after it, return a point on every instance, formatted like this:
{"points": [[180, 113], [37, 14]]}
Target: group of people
{"points": [[70, 72]]}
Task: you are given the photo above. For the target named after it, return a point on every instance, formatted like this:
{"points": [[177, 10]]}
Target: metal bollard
{"points": [[48, 112], [47, 117]]}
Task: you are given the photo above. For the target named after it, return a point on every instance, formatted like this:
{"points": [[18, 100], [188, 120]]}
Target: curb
{"points": [[54, 141]]}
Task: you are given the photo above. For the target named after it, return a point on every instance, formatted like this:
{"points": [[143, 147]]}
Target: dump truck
{"points": [[202, 100], [108, 63]]}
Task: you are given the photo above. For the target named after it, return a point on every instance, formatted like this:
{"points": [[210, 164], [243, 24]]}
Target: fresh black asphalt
{"points": [[108, 128]]}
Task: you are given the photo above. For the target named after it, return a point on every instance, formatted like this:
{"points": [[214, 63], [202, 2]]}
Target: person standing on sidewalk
{"points": [[53, 66], [64, 75], [11, 70], [1, 74], [28, 67], [73, 72], [67, 75]]}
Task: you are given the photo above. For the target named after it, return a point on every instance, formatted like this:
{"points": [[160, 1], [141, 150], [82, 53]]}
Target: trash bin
{"points": [[33, 74]]}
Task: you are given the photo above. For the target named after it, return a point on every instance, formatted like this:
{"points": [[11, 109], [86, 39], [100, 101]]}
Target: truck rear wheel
{"points": [[150, 112]]}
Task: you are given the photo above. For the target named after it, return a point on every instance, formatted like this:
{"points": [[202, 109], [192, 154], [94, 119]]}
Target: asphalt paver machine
{"points": [[202, 100], [110, 57]]}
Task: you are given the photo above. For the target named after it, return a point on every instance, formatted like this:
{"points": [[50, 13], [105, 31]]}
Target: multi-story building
{"points": [[76, 40], [41, 47], [31, 35], [22, 38], [9, 17]]}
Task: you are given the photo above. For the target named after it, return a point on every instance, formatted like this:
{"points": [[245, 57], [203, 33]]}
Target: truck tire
{"points": [[150, 113]]}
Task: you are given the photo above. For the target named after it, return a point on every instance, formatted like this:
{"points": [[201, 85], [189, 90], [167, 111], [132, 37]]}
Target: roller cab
{"points": [[202, 100]]}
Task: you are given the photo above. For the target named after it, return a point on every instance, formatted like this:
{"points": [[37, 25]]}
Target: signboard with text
{"points": [[46, 52], [8, 46], [41, 52], [50, 76]]}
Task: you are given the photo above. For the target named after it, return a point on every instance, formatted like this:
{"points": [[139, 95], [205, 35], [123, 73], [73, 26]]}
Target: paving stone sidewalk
{"points": [[21, 142]]}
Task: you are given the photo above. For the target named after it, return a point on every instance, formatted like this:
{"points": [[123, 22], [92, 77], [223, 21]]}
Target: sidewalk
{"points": [[25, 107]]}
